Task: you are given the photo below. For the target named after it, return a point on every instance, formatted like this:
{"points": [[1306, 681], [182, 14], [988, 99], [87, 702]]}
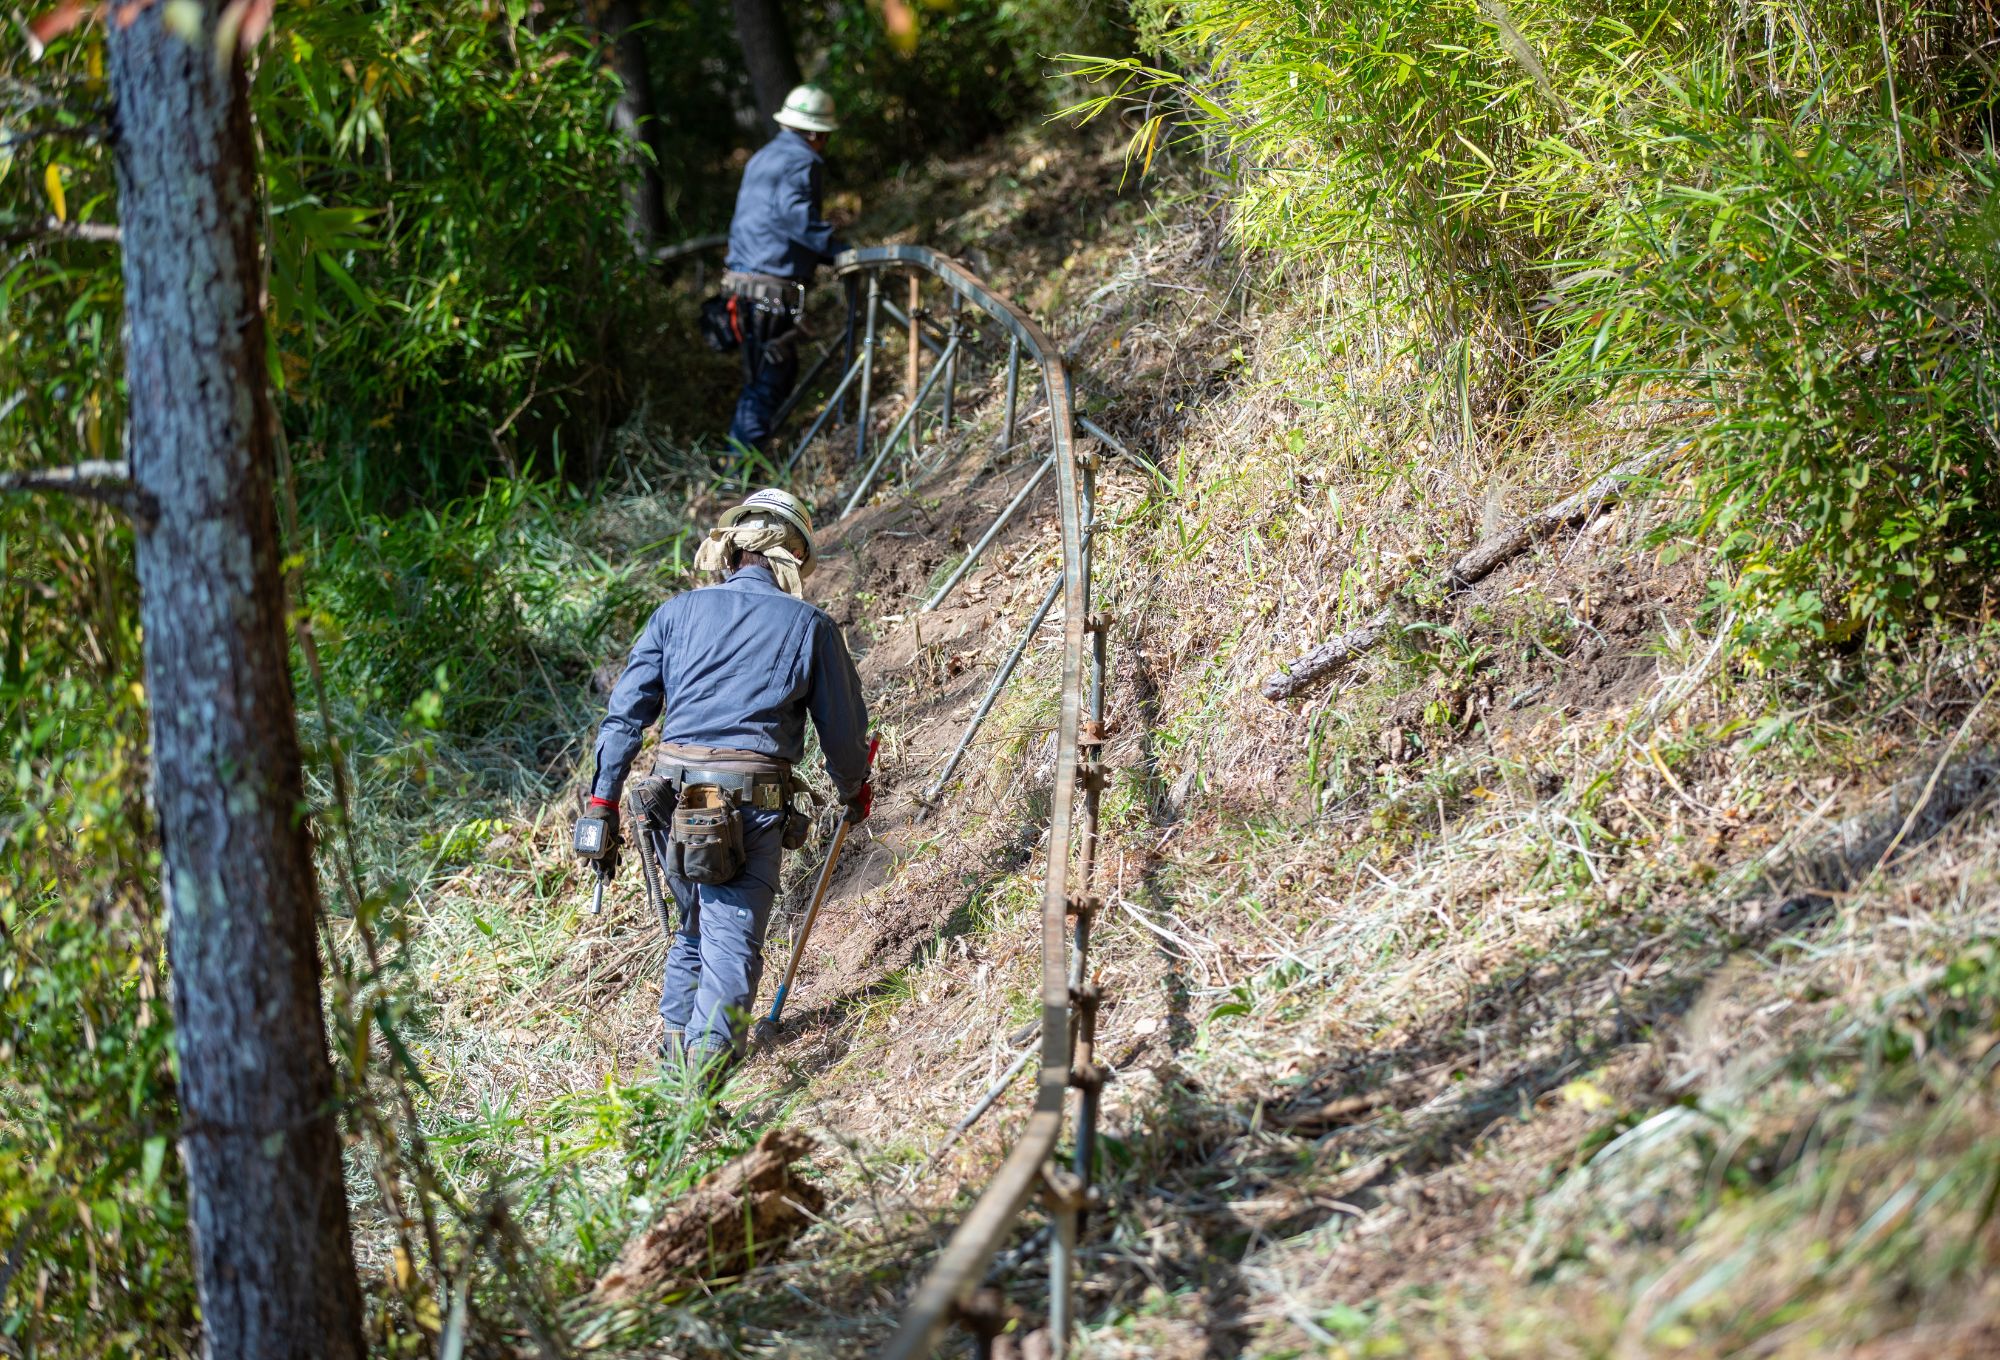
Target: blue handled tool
{"points": [[767, 1028], [766, 1032]]}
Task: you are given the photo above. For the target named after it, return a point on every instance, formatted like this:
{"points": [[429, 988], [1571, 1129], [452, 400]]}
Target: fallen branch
{"points": [[1473, 566], [741, 1214], [96, 479]]}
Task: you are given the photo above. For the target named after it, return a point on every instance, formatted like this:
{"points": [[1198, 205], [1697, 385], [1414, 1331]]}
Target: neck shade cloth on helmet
{"points": [[779, 544]]}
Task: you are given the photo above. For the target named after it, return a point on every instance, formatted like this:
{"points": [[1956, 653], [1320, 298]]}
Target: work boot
{"points": [[713, 1066], [673, 1050]]}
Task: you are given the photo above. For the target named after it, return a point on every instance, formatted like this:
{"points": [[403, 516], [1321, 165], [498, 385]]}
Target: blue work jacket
{"points": [[778, 229], [740, 665]]}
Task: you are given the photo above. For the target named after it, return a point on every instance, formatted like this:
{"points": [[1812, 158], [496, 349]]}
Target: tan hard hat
{"points": [[807, 108], [784, 507]]}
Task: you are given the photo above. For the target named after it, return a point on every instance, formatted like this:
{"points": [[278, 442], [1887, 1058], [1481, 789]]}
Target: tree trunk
{"points": [[616, 22], [259, 1136], [767, 52]]}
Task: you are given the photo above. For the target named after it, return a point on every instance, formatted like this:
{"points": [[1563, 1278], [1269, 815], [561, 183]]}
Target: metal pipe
{"points": [[867, 369], [951, 363], [1013, 393], [832, 404], [914, 364], [1090, 1080], [993, 689], [1062, 1266], [897, 315], [849, 287], [1092, 428], [889, 444], [986, 539]]}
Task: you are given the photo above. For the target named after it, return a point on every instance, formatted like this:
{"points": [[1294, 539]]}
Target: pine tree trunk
{"points": [[259, 1135], [767, 52], [616, 24]]}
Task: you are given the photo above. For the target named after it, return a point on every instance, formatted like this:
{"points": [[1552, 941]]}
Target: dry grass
{"points": [[1536, 990]]}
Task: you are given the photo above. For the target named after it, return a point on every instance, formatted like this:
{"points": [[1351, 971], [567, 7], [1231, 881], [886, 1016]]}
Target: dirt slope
{"points": [[1554, 982]]}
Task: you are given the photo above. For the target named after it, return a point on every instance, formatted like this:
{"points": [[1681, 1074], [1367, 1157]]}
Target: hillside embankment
{"points": [[1550, 981]]}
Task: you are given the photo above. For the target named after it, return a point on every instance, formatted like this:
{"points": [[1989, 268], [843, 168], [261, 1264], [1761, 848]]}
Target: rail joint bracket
{"points": [[1063, 1191]]}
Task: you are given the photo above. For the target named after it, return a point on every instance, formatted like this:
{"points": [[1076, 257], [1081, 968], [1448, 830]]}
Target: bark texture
{"points": [[259, 1135], [636, 116], [767, 54]]}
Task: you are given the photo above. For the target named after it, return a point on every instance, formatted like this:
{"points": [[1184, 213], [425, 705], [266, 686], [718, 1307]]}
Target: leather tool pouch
{"points": [[797, 827], [706, 840]]}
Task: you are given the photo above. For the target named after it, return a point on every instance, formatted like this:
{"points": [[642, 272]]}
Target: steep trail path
{"points": [[1487, 1001]]}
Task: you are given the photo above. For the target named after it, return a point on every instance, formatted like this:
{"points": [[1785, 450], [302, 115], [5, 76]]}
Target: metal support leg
{"points": [[832, 404], [993, 689], [1089, 1079], [1013, 394], [867, 369], [901, 318], [951, 364], [850, 288], [992, 532], [907, 423], [915, 362], [1063, 1194]]}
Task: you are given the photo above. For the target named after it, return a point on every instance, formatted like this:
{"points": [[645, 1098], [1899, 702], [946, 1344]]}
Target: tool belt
{"points": [[766, 288], [696, 795], [759, 307]]}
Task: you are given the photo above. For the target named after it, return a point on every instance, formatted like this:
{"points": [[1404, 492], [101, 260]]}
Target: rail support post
{"points": [[916, 316], [867, 369], [850, 290], [1063, 1194], [1013, 394], [951, 364], [1088, 1078]]}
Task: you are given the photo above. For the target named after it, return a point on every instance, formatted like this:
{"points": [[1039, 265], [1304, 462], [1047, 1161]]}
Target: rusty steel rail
{"points": [[1031, 1167]]}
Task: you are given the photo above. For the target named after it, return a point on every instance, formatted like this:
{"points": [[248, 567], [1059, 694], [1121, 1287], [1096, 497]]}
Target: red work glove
{"points": [[859, 806]]}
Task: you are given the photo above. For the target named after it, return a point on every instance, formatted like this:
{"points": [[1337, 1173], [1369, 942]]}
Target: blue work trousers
{"points": [[717, 956], [770, 371]]}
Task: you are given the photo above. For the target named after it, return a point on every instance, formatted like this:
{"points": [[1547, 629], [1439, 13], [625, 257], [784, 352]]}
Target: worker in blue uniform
{"points": [[731, 672], [777, 238]]}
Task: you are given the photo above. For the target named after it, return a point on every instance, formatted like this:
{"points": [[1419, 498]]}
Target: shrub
{"points": [[1736, 216]]}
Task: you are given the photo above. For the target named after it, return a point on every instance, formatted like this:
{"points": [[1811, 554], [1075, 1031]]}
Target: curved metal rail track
{"points": [[1069, 1003]]}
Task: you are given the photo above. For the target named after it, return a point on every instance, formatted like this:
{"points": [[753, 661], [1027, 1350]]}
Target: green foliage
{"points": [[963, 72], [94, 1261], [1847, 470], [451, 279], [477, 617], [1736, 216], [457, 323]]}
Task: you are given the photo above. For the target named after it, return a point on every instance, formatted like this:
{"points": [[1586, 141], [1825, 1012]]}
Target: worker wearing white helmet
{"points": [[777, 238], [731, 672]]}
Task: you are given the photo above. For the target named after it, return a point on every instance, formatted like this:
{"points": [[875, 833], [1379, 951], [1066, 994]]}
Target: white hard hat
{"points": [[788, 510], [808, 108]]}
